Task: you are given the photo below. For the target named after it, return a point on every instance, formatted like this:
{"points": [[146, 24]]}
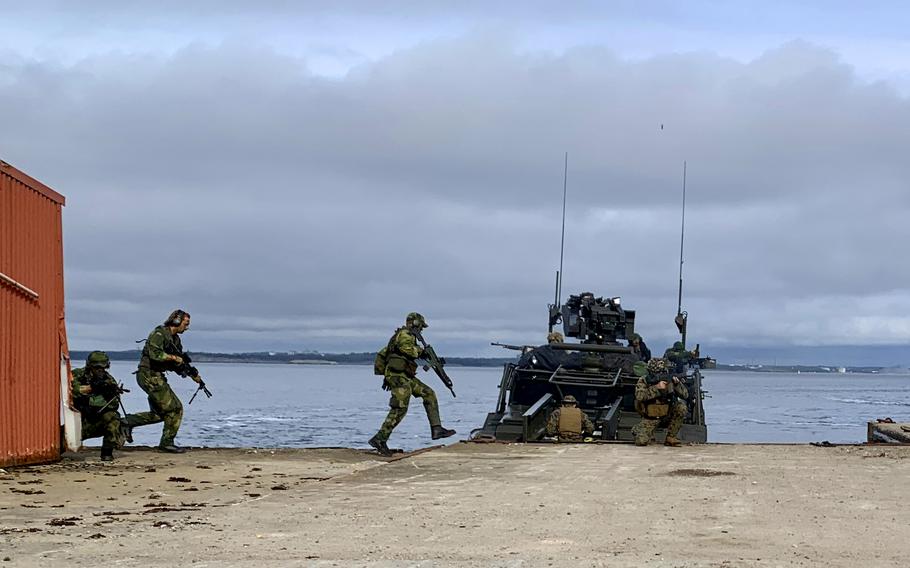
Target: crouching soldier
{"points": [[96, 395], [660, 399], [569, 422]]}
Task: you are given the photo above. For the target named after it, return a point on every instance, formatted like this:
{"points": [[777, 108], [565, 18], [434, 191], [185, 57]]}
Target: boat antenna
{"points": [[681, 316], [562, 243], [554, 307]]}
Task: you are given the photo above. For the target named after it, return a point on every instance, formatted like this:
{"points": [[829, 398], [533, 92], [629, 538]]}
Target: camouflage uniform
{"points": [[98, 409], [647, 394], [678, 357], [401, 380], [569, 422], [163, 402]]}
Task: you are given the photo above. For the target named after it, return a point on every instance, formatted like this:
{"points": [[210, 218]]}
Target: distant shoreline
{"points": [[366, 358]]}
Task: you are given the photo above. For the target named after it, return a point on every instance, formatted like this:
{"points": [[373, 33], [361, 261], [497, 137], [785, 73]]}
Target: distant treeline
{"points": [[365, 358]]}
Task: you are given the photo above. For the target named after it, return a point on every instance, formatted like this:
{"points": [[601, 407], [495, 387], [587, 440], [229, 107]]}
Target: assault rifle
{"points": [[522, 348], [186, 370], [670, 391], [435, 362], [108, 388]]}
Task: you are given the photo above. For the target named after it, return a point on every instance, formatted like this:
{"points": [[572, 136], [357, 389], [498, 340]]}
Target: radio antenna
{"points": [[562, 242], [681, 316], [554, 307]]}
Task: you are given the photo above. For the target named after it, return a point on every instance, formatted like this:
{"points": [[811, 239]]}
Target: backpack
{"points": [[380, 362]]}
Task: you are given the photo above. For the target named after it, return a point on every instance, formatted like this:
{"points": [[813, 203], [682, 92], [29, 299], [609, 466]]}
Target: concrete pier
{"points": [[465, 505]]}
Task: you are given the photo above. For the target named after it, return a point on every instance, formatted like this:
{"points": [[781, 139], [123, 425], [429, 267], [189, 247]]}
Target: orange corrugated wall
{"points": [[32, 331]]}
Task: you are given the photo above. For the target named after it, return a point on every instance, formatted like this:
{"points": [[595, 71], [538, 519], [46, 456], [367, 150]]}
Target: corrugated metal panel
{"points": [[32, 332]]}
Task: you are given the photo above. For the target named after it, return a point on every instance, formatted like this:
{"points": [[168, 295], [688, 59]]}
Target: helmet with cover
{"points": [[416, 320], [98, 360], [657, 366]]}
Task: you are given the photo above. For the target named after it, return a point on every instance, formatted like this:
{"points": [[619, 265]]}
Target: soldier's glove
{"points": [[385, 385]]}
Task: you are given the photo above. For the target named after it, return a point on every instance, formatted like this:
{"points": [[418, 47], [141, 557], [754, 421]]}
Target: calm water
{"points": [[303, 405]]}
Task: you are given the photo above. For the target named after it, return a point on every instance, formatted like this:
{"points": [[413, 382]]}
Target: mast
{"points": [[681, 316], [554, 308], [562, 243]]}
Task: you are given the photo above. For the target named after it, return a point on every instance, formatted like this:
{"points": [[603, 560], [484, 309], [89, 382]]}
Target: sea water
{"points": [[298, 406]]}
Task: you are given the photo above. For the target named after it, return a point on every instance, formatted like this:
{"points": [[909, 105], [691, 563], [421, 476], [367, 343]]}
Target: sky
{"points": [[299, 176]]}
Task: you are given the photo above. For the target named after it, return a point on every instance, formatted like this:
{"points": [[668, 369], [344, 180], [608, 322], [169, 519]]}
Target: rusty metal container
{"points": [[33, 352]]}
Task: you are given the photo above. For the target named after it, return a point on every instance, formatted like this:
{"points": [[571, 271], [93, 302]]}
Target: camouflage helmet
{"points": [[634, 337], [98, 359], [415, 318], [569, 399], [678, 346], [657, 366], [555, 337]]}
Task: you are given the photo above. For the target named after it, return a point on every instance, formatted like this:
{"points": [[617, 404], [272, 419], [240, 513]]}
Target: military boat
{"points": [[598, 370]]}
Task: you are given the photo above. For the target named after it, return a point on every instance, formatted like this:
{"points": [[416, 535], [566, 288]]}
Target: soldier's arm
{"points": [[587, 425], [681, 390], [644, 392], [80, 388], [406, 344], [553, 423]]}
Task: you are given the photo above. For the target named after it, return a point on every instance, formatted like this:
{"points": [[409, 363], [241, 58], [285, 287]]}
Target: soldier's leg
{"points": [[171, 410], [163, 402], [644, 430], [91, 428], [430, 403], [142, 418], [677, 414], [149, 382], [398, 406], [112, 437]]}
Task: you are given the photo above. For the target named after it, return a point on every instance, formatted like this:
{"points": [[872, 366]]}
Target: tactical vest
{"points": [[570, 421], [396, 361], [172, 346]]}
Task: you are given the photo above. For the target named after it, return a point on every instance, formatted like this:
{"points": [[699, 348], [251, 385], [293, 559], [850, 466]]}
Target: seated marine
{"points": [[568, 422], [96, 396], [660, 400]]}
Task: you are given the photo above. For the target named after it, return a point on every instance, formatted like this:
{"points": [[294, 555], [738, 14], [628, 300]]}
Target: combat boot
{"points": [[171, 449], [380, 446], [671, 441], [438, 432], [107, 453]]}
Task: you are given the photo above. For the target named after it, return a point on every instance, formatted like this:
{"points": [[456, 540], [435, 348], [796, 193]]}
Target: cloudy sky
{"points": [[301, 175]]}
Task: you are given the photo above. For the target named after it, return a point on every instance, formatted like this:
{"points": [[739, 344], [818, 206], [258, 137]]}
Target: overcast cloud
{"points": [[289, 204]]}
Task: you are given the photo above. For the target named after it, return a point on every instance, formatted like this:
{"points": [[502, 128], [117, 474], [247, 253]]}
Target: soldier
{"points": [[569, 422], [163, 352], [679, 358], [555, 337], [400, 378], [659, 398], [96, 396], [638, 347]]}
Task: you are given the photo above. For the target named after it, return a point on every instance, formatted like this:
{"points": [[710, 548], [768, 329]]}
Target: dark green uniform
{"points": [[401, 380], [679, 358], [99, 408], [163, 402]]}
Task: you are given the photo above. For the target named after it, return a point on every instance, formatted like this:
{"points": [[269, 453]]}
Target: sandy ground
{"points": [[465, 505]]}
